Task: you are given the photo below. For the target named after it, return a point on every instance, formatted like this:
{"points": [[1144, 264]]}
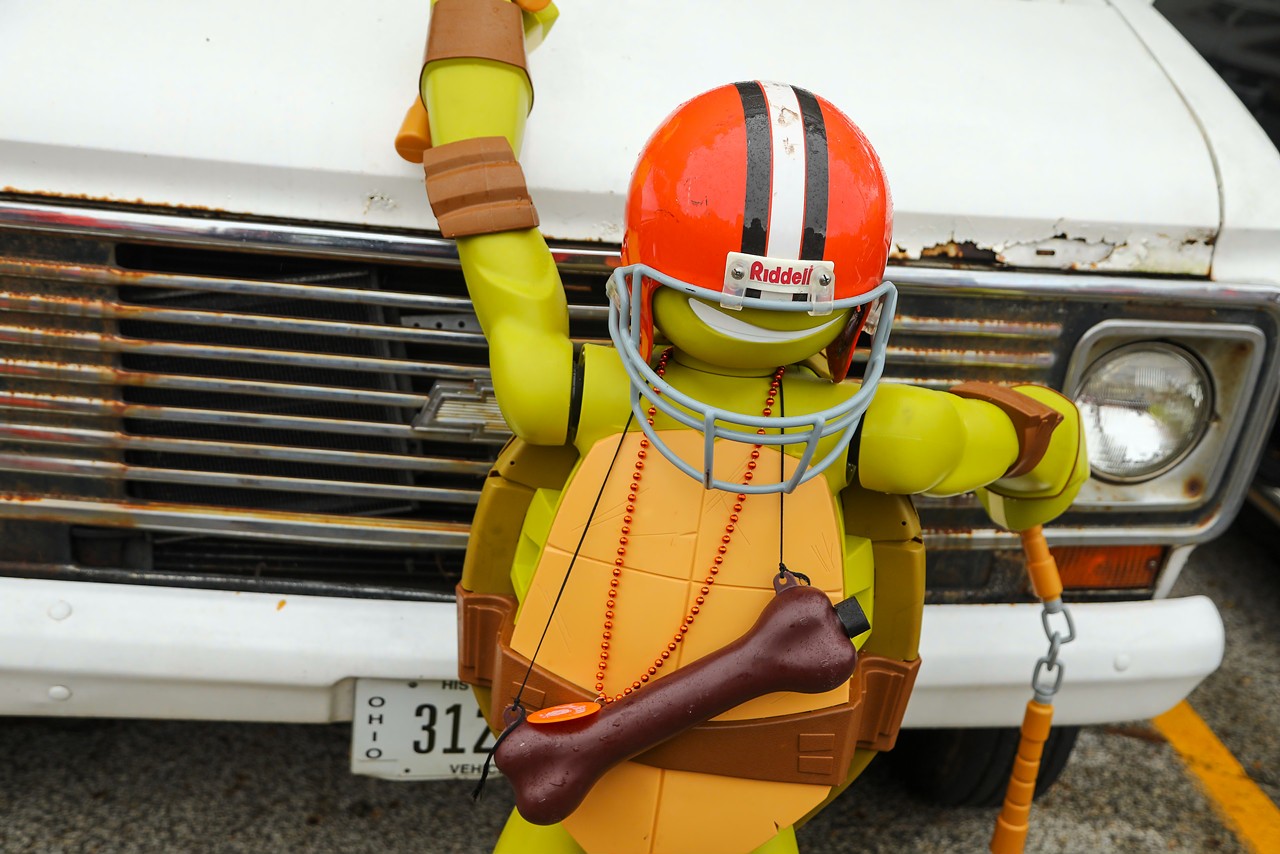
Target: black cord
{"points": [[488, 760], [782, 473], [573, 560], [782, 495], [516, 708]]}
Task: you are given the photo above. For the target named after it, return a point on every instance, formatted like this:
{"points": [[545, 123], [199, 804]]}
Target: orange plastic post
{"points": [[414, 136], [1041, 566], [1011, 827]]}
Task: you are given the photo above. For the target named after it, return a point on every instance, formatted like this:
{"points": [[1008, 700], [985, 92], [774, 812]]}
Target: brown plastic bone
{"points": [[797, 644]]}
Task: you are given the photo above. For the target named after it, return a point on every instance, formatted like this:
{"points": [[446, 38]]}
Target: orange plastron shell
{"points": [[676, 532]]}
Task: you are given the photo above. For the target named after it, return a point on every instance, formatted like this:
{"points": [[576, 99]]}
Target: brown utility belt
{"points": [[810, 747]]}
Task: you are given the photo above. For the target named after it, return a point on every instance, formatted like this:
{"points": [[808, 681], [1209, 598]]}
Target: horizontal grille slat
{"points": [[66, 372], [995, 329], [30, 304], [35, 337], [902, 357], [275, 289], [71, 467], [33, 434], [312, 291], [91, 406], [318, 528]]}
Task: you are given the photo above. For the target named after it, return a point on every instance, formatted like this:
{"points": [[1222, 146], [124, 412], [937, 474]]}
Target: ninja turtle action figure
{"points": [[655, 493]]}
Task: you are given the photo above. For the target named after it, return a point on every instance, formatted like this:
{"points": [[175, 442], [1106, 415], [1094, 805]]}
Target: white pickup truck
{"points": [[244, 404]]}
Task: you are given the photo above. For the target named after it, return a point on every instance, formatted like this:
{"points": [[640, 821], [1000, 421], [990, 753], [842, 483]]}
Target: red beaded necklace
{"points": [[712, 572]]}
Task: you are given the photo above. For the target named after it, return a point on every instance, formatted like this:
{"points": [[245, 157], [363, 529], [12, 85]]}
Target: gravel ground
{"points": [[1241, 573], [118, 786], [143, 786]]}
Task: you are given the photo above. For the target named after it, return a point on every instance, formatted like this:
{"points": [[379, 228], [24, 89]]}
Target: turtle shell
{"points": [[532, 516]]}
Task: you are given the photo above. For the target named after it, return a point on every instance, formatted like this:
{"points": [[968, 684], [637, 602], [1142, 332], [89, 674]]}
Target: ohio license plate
{"points": [[423, 730]]}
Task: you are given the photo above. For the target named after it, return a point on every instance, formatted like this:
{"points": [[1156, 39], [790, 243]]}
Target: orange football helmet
{"points": [[757, 195], [763, 170]]}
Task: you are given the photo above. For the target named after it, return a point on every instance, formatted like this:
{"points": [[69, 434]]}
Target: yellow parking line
{"points": [[1245, 808]]}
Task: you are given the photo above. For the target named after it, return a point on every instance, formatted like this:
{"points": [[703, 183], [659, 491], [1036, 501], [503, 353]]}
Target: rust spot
{"points": [[963, 251], [1194, 487], [279, 604], [48, 330], [1239, 356], [89, 274], [85, 197]]}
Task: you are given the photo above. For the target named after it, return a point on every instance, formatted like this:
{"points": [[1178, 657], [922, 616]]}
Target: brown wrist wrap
{"points": [[476, 29], [475, 186], [1033, 421]]}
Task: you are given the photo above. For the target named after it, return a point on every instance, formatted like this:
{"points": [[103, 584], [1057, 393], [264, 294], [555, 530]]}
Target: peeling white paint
{"points": [[1058, 252], [380, 202], [1065, 245]]}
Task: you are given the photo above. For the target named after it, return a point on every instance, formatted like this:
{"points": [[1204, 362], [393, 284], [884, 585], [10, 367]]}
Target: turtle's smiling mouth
{"points": [[743, 331]]}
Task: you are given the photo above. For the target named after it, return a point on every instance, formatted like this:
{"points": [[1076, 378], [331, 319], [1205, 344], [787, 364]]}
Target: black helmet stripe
{"points": [[781, 218], [755, 223], [814, 241]]}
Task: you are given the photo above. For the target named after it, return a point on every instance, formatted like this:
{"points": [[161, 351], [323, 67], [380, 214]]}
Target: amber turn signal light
{"points": [[1108, 567]]}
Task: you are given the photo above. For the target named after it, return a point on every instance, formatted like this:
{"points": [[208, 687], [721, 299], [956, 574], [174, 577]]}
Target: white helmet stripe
{"points": [[787, 185]]}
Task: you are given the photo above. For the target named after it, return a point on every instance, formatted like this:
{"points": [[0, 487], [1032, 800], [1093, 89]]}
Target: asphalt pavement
{"points": [[148, 786]]}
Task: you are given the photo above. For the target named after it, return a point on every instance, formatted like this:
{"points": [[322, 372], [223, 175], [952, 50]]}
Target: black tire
{"points": [[1269, 465], [970, 767]]}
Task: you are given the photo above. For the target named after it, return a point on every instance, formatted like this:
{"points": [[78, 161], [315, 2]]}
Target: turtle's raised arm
{"points": [[477, 94]]}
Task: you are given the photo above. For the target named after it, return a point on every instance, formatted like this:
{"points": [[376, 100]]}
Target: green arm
{"points": [[917, 440], [1045, 492], [511, 276]]}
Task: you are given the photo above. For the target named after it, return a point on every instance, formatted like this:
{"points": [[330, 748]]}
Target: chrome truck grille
{"points": [[315, 415]]}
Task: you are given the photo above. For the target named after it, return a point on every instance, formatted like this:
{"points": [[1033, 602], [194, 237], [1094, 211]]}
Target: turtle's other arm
{"points": [[477, 95], [1021, 449]]}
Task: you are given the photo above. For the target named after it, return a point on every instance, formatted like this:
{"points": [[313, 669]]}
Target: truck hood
{"points": [[1029, 134]]}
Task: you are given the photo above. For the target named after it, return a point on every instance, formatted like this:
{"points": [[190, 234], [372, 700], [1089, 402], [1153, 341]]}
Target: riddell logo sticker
{"points": [[781, 276]]}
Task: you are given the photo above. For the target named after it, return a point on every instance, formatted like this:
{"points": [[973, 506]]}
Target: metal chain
{"points": [[1048, 667]]}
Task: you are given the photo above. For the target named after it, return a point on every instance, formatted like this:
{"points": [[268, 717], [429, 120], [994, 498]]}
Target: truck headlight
{"points": [[1144, 407]]}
